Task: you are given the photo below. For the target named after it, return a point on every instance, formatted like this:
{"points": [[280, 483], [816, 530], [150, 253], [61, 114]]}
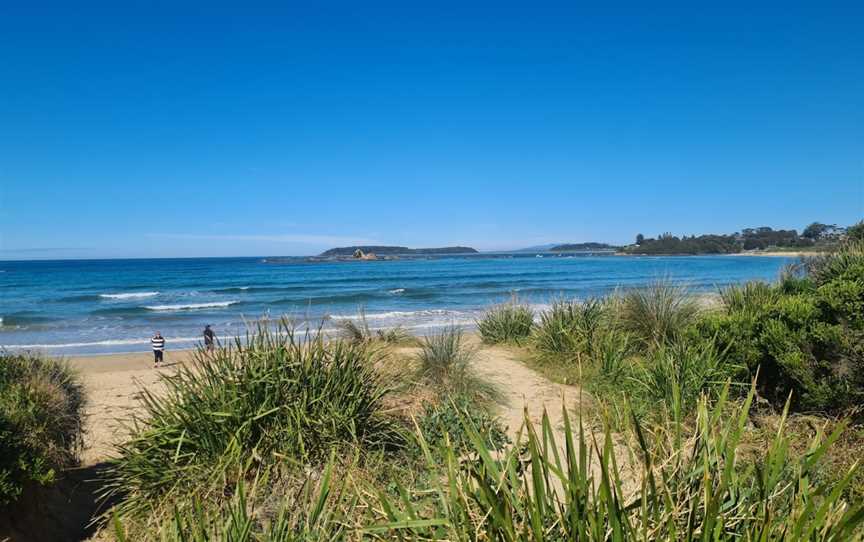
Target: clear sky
{"points": [[136, 129]]}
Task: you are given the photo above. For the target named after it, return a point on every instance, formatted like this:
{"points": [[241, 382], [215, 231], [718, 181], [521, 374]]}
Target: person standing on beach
{"points": [[209, 338], [158, 344]]}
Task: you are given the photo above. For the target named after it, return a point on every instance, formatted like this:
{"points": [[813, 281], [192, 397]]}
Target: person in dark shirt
{"points": [[158, 344], [209, 338]]}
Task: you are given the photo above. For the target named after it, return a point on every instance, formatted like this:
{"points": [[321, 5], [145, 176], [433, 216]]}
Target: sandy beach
{"points": [[113, 383], [791, 254]]}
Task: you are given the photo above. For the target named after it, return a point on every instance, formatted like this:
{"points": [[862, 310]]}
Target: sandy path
{"points": [[525, 388]]}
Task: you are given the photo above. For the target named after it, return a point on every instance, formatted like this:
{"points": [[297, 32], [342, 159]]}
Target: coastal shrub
{"points": [[41, 419], [506, 323], [658, 314], [573, 487], [394, 335], [445, 362], [855, 232], [270, 398], [447, 423], [804, 335], [611, 355]]}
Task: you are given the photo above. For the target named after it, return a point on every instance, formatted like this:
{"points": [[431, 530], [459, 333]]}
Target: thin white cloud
{"points": [[291, 238]]}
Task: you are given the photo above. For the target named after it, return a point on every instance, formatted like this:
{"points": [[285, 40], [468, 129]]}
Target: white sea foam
{"points": [[109, 342], [397, 291], [190, 306], [129, 295], [400, 314]]}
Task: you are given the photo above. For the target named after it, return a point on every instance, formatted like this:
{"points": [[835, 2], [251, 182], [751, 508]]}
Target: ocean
{"points": [[79, 307]]}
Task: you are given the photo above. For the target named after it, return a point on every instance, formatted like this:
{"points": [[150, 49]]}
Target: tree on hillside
{"points": [[855, 232], [815, 230], [640, 239]]}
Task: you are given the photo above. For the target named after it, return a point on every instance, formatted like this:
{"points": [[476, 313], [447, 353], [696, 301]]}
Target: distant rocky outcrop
{"points": [[364, 252]]}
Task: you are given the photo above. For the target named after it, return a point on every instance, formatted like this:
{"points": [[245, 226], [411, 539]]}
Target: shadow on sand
{"points": [[61, 512]]}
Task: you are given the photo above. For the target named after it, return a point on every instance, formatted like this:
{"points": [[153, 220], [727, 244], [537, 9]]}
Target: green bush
{"points": [[804, 335], [748, 297], [272, 398], [41, 416], [507, 323], [447, 425]]}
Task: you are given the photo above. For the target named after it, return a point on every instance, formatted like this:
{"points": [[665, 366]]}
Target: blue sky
{"points": [[134, 129]]}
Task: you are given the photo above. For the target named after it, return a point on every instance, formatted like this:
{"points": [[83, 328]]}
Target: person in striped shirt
{"points": [[158, 344]]}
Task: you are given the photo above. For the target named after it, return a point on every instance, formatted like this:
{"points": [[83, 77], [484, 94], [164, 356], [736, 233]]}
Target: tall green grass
{"points": [[41, 421], [571, 485], [570, 327], [658, 314], [574, 488], [506, 323], [273, 398], [445, 361], [748, 297]]}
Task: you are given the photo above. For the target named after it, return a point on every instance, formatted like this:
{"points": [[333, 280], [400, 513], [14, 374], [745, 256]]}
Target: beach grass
{"points": [[274, 397], [445, 363], [570, 485], [506, 323], [657, 314], [357, 330]]}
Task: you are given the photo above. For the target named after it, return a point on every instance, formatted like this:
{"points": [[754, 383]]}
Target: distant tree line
{"points": [[816, 235]]}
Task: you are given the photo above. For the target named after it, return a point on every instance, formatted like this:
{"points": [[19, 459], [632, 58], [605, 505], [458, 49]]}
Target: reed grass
{"points": [[748, 297]]}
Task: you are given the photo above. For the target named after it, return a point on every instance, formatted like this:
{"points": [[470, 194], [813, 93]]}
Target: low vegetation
{"points": [[507, 323], [804, 334], [273, 398], [358, 331], [569, 486], [658, 314], [41, 417], [445, 363]]}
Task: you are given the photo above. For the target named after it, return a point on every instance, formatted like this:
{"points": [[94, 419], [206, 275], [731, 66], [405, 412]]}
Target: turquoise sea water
{"points": [[78, 307]]}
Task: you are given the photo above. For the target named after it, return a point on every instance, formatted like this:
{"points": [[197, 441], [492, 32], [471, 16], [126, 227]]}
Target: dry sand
{"points": [[113, 383]]}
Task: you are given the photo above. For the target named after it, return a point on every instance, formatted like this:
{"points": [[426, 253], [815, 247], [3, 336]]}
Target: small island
{"points": [[365, 251]]}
